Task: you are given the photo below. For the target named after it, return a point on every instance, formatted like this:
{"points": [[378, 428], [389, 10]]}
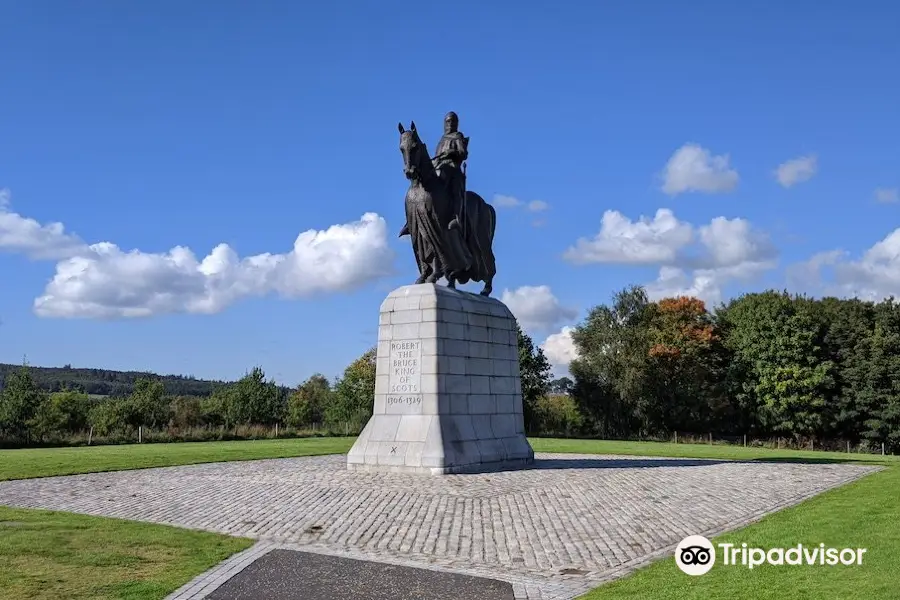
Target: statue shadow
{"points": [[552, 464]]}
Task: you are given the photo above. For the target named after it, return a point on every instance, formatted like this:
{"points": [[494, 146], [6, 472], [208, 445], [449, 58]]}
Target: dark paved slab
{"points": [[291, 575]]}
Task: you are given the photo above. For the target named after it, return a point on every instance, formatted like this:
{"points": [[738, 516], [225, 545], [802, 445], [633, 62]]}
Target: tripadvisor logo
{"points": [[695, 555]]}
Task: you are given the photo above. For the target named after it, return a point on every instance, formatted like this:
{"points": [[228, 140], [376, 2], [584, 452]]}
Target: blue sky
{"points": [[151, 127]]}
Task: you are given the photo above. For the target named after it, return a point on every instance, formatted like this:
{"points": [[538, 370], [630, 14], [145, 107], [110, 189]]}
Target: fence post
{"points": [[276, 429], [848, 446], [676, 437], [745, 440], [710, 439], [90, 435], [140, 433], [882, 448]]}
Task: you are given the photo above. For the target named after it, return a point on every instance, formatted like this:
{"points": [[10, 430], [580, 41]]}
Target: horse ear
{"points": [[400, 127], [412, 125]]}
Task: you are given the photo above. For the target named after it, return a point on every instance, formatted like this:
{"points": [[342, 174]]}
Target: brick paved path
{"points": [[554, 531]]}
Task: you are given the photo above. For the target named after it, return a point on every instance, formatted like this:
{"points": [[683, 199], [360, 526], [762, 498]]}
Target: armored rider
{"points": [[452, 150]]}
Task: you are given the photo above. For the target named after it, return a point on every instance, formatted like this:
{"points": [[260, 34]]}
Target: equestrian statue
{"points": [[451, 229]]}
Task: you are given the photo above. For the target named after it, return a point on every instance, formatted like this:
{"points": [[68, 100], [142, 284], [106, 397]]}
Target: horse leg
{"points": [[488, 287], [436, 271], [424, 271], [451, 281]]}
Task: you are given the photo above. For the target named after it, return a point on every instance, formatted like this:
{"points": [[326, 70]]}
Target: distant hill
{"points": [[103, 382]]}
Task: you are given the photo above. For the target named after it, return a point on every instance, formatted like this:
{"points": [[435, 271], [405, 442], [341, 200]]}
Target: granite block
{"points": [[447, 388]]}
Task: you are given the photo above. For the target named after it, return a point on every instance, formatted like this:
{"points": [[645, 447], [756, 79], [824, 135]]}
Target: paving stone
{"points": [[601, 516]]}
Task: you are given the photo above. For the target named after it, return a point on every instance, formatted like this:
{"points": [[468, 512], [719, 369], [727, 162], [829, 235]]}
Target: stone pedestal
{"points": [[448, 398]]}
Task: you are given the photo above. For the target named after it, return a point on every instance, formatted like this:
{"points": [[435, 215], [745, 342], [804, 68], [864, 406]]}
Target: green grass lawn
{"points": [[61, 555], [862, 514], [45, 462], [719, 451], [52, 556]]}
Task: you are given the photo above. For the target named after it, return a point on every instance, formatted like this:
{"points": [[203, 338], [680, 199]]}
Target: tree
{"points": [[253, 400], [19, 402], [354, 395], [61, 413], [186, 412], [307, 403], [611, 372], [850, 325], [879, 397], [109, 416], [684, 365], [147, 405], [534, 372], [780, 364], [563, 385]]}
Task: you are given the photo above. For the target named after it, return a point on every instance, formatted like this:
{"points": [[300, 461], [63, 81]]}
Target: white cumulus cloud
{"points": [[695, 261], [705, 284], [796, 170], [536, 307], [735, 244], [22, 235], [875, 275], [110, 283], [560, 350], [538, 206], [623, 241], [103, 281], [693, 168]]}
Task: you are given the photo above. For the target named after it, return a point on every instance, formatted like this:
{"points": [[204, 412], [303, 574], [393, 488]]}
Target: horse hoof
{"points": [[486, 292]]}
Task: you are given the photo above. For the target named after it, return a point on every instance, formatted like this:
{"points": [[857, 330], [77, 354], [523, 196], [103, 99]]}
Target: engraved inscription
{"points": [[406, 370], [404, 400]]}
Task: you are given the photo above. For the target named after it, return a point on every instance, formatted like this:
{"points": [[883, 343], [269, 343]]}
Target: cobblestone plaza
{"points": [[554, 531]]}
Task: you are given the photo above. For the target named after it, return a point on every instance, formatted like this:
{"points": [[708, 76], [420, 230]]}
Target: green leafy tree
{"points": [[612, 375], [186, 412], [781, 366], [19, 403], [685, 367], [109, 416], [307, 403], [557, 415], [147, 406], [879, 397], [213, 407], [534, 372], [253, 400], [61, 413], [354, 395], [562, 385]]}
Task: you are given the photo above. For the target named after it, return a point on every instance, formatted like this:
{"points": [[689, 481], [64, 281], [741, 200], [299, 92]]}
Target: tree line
{"points": [[254, 406], [106, 382], [764, 365]]}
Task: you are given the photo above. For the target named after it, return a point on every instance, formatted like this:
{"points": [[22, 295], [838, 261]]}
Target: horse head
{"points": [[416, 162]]}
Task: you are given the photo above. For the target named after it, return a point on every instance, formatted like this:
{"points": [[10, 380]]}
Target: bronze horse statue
{"points": [[444, 247]]}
